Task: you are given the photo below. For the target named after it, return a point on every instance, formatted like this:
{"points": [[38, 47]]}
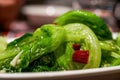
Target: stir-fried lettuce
{"points": [[25, 50], [91, 20], [50, 47], [81, 34]]}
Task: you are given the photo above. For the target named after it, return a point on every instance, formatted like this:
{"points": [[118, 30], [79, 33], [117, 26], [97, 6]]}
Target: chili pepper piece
{"points": [[76, 46], [81, 56]]}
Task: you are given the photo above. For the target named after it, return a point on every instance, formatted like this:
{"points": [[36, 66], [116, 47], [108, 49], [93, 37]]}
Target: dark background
{"points": [[103, 8]]}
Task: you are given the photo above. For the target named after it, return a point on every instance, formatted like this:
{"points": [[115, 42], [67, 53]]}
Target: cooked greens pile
{"points": [[76, 40]]}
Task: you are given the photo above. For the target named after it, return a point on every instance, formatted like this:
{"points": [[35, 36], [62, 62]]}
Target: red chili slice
{"points": [[76, 46], [81, 56]]}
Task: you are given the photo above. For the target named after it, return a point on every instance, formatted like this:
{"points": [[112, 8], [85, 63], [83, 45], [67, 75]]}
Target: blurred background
{"points": [[20, 16]]}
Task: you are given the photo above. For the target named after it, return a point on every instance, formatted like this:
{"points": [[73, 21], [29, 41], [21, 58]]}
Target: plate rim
{"points": [[60, 74]]}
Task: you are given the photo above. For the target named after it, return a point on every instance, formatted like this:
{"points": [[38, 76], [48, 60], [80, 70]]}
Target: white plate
{"points": [[107, 73], [45, 10], [42, 14], [111, 73]]}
